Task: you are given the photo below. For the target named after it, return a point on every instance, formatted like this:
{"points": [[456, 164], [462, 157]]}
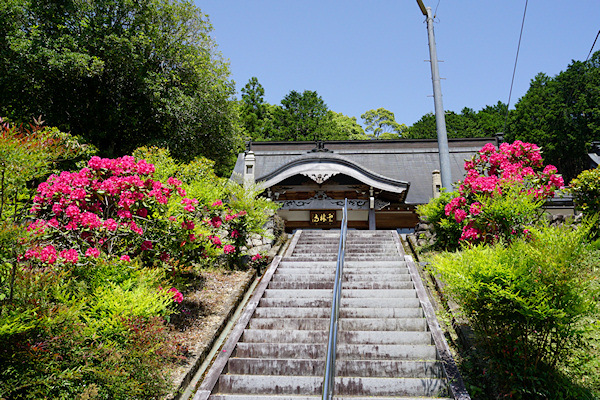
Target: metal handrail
{"points": [[329, 378]]}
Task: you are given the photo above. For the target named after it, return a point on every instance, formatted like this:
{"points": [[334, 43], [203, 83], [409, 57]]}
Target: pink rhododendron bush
{"points": [[114, 207], [107, 258], [501, 195]]}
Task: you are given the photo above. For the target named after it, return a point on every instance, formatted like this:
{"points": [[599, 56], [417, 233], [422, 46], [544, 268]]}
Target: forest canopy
{"points": [[121, 74]]}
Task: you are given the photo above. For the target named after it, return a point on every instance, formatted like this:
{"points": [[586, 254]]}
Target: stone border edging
{"points": [[189, 375], [455, 381], [218, 366]]}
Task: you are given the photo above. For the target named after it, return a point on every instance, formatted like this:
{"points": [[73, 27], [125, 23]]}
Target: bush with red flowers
{"points": [[501, 195], [86, 315]]}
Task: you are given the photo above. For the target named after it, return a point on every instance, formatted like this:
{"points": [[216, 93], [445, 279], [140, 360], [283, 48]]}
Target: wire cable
{"points": [[590, 53], [515, 67]]}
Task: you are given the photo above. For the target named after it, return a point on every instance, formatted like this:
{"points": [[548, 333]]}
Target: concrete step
{"points": [[386, 352], [371, 257], [289, 323], [348, 270], [348, 336], [348, 277], [383, 324], [312, 385], [325, 312], [379, 293], [349, 239], [298, 293], [281, 350], [408, 312], [350, 257], [308, 367], [344, 352], [286, 397], [350, 293], [350, 303], [370, 264], [352, 248], [346, 324], [287, 262], [350, 244], [345, 285], [284, 336]]}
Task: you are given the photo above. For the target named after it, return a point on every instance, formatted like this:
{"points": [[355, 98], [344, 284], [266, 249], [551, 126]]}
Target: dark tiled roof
{"points": [[400, 160]]}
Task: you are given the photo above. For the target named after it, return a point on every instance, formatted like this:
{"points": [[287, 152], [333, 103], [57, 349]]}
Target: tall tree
{"points": [[120, 73], [253, 109], [484, 123], [383, 124], [490, 119], [562, 115], [342, 127], [302, 116]]}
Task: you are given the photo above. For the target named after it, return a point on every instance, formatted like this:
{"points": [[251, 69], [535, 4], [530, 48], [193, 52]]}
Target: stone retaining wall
{"points": [[274, 235]]}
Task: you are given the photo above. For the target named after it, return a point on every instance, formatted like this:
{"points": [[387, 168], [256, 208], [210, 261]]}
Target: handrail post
{"points": [[329, 377]]}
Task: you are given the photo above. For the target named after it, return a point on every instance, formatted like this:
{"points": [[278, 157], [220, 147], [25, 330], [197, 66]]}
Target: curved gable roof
{"points": [[322, 166]]}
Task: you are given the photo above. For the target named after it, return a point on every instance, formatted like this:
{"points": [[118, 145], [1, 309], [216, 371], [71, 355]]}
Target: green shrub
{"points": [[98, 329], [258, 209], [198, 176], [238, 210], [506, 217], [10, 248], [447, 231], [526, 302], [28, 155], [585, 190]]}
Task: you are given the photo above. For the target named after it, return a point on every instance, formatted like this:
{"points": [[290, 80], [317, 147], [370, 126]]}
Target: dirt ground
{"points": [[205, 307]]}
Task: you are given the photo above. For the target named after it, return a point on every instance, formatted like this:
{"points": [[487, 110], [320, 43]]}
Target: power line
{"points": [[590, 53], [515, 67]]}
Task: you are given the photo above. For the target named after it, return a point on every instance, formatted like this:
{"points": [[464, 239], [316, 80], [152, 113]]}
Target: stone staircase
{"points": [[385, 349]]}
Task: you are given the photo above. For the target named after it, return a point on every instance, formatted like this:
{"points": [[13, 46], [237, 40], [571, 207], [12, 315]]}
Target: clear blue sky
{"points": [[361, 55]]}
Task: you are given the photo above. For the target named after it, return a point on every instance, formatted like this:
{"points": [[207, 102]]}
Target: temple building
{"points": [[383, 180]]}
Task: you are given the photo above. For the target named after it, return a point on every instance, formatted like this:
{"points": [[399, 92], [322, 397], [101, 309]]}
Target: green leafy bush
{"points": [[258, 209], [70, 333], [526, 302], [28, 155], [10, 247], [585, 190], [447, 231], [506, 217], [197, 176]]}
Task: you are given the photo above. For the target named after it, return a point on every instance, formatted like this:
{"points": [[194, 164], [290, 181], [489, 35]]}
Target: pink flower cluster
{"points": [[228, 248], [177, 296], [46, 254], [189, 204], [491, 171], [121, 166], [109, 197]]}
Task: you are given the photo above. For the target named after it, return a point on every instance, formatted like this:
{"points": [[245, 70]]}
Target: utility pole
{"points": [[440, 118]]}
